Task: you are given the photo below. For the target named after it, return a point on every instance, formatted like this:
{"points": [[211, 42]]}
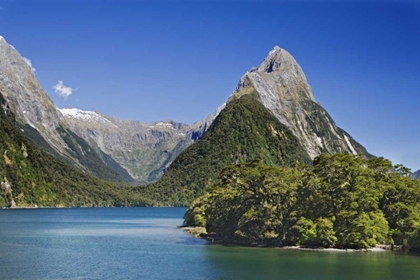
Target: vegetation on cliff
{"points": [[343, 201], [245, 130]]}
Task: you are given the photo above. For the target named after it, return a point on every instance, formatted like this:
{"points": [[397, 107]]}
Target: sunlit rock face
{"points": [[283, 89], [30, 103], [143, 151]]}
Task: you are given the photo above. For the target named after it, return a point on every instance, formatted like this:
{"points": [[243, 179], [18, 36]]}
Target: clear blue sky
{"points": [[180, 60]]}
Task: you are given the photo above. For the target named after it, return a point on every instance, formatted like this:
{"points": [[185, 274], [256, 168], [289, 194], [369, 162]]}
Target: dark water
{"points": [[144, 243]]}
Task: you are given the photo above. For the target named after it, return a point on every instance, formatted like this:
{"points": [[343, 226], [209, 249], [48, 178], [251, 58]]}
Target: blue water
{"points": [[145, 243]]}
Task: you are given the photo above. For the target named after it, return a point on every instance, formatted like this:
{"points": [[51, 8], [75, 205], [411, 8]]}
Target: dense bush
{"points": [[342, 201]]}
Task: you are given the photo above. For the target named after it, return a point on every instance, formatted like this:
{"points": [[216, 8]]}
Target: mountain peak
{"points": [[275, 49], [282, 87], [280, 60], [277, 79]]}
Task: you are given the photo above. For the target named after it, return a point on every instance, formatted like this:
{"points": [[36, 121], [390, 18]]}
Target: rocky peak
{"points": [[279, 60], [280, 68], [39, 118], [282, 87], [25, 96]]}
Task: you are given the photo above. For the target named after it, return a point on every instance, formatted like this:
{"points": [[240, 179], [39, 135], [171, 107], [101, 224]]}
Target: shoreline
{"points": [[200, 232]]}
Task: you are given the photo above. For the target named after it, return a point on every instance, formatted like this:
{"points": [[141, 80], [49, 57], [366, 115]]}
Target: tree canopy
{"points": [[342, 201]]}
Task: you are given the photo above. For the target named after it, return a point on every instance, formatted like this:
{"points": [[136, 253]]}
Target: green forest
{"points": [[342, 201], [244, 131], [30, 177]]}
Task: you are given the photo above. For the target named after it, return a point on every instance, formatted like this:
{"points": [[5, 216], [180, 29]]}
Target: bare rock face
{"points": [[140, 148], [145, 150], [39, 118], [26, 98], [282, 87]]}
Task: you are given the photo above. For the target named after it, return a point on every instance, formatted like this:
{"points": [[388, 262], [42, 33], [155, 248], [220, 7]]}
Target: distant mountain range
{"points": [[272, 116]]}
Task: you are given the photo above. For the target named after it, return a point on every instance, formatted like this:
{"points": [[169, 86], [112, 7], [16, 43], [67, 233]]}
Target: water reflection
{"points": [[272, 263]]}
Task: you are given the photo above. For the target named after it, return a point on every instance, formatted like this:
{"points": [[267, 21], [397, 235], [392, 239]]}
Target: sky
{"points": [[180, 60]]}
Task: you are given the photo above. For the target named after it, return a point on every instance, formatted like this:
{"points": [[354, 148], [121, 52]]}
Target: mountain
{"points": [[30, 177], [43, 124], [104, 146], [272, 116], [283, 89], [145, 150], [416, 174], [244, 131]]}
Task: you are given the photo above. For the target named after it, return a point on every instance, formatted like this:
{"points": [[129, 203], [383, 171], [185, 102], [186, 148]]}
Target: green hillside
{"points": [[30, 176], [244, 131]]}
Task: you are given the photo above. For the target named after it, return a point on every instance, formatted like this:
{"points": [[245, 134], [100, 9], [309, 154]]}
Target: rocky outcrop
{"points": [[40, 120], [283, 89], [26, 98]]}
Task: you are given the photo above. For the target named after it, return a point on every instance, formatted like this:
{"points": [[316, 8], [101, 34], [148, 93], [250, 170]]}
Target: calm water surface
{"points": [[144, 243]]}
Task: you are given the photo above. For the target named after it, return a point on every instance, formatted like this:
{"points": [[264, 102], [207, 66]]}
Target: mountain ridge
{"points": [[45, 125], [272, 116], [144, 149], [142, 152]]}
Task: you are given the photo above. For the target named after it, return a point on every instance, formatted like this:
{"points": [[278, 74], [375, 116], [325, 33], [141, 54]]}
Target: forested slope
{"points": [[245, 130], [31, 177]]}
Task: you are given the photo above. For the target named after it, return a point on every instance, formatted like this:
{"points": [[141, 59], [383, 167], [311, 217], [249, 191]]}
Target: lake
{"points": [[145, 243]]}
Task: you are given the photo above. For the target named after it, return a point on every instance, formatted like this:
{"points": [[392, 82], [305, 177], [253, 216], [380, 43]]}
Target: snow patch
{"points": [[350, 146], [162, 124], [88, 116]]}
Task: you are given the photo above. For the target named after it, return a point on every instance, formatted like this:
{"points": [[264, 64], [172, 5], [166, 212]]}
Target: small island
{"points": [[341, 201]]}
